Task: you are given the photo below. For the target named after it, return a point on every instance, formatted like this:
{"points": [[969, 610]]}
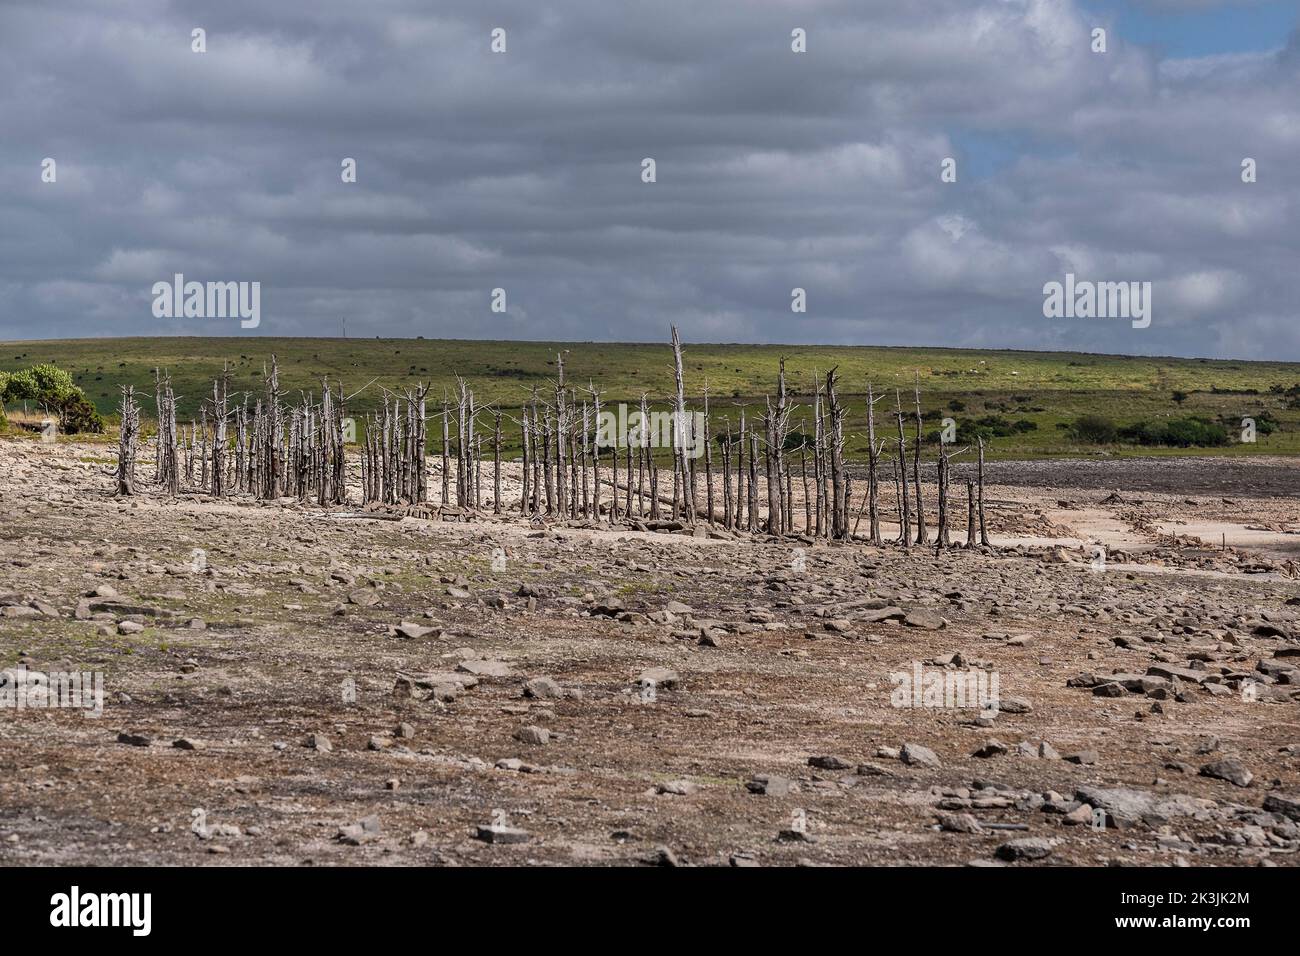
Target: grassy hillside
{"points": [[1047, 389]]}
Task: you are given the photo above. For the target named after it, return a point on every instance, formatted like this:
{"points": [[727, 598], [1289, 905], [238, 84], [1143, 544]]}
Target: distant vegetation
{"points": [[1193, 432], [1024, 404]]}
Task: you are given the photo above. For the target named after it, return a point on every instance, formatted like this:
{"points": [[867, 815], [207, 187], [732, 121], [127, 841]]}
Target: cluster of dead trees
{"points": [[263, 447], [572, 467]]}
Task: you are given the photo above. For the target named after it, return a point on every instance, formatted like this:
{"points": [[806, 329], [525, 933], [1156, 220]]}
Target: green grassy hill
{"points": [[1047, 389]]}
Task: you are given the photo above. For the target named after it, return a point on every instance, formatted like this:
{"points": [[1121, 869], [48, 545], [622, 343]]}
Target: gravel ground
{"points": [[362, 691]]}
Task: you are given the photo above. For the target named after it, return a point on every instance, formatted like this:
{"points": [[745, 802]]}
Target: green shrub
{"points": [[989, 426], [1094, 429], [52, 389], [47, 385], [20, 386], [77, 415], [1177, 433], [1265, 423]]}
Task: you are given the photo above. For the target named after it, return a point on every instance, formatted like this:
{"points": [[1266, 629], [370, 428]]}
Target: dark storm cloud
{"points": [[522, 171]]}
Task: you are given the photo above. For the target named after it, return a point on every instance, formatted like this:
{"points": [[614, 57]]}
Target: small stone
{"points": [[959, 823], [319, 742], [1030, 848], [1079, 816], [134, 740], [485, 668], [366, 830], [543, 688], [925, 620], [678, 788], [1084, 758], [917, 755], [1229, 769], [531, 734], [187, 743], [1284, 804], [663, 856], [829, 763], [660, 677], [412, 631], [770, 785]]}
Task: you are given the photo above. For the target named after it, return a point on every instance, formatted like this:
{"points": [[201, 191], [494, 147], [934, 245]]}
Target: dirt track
{"points": [[253, 654]]}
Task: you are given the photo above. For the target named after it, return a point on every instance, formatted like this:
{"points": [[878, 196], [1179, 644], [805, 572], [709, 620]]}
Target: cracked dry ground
{"points": [[248, 660]]}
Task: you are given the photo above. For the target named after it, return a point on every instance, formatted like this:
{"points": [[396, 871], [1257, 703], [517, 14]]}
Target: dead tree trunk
{"points": [[446, 451], [708, 456], [873, 471], [523, 428], [496, 465], [742, 500], [903, 509], [984, 535], [803, 469], [970, 513], [219, 390], [839, 505], [728, 507], [922, 535], [548, 464], [679, 435], [158, 439], [561, 424], [128, 435], [942, 535]]}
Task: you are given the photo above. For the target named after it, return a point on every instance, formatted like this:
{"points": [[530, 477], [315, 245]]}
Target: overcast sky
{"points": [[523, 171]]}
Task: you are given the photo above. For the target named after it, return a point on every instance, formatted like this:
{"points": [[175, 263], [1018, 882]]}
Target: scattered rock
{"points": [[543, 688], [770, 785], [917, 755], [538, 736], [1229, 769], [829, 763], [365, 830], [1029, 848], [926, 620], [661, 677], [959, 823]]}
